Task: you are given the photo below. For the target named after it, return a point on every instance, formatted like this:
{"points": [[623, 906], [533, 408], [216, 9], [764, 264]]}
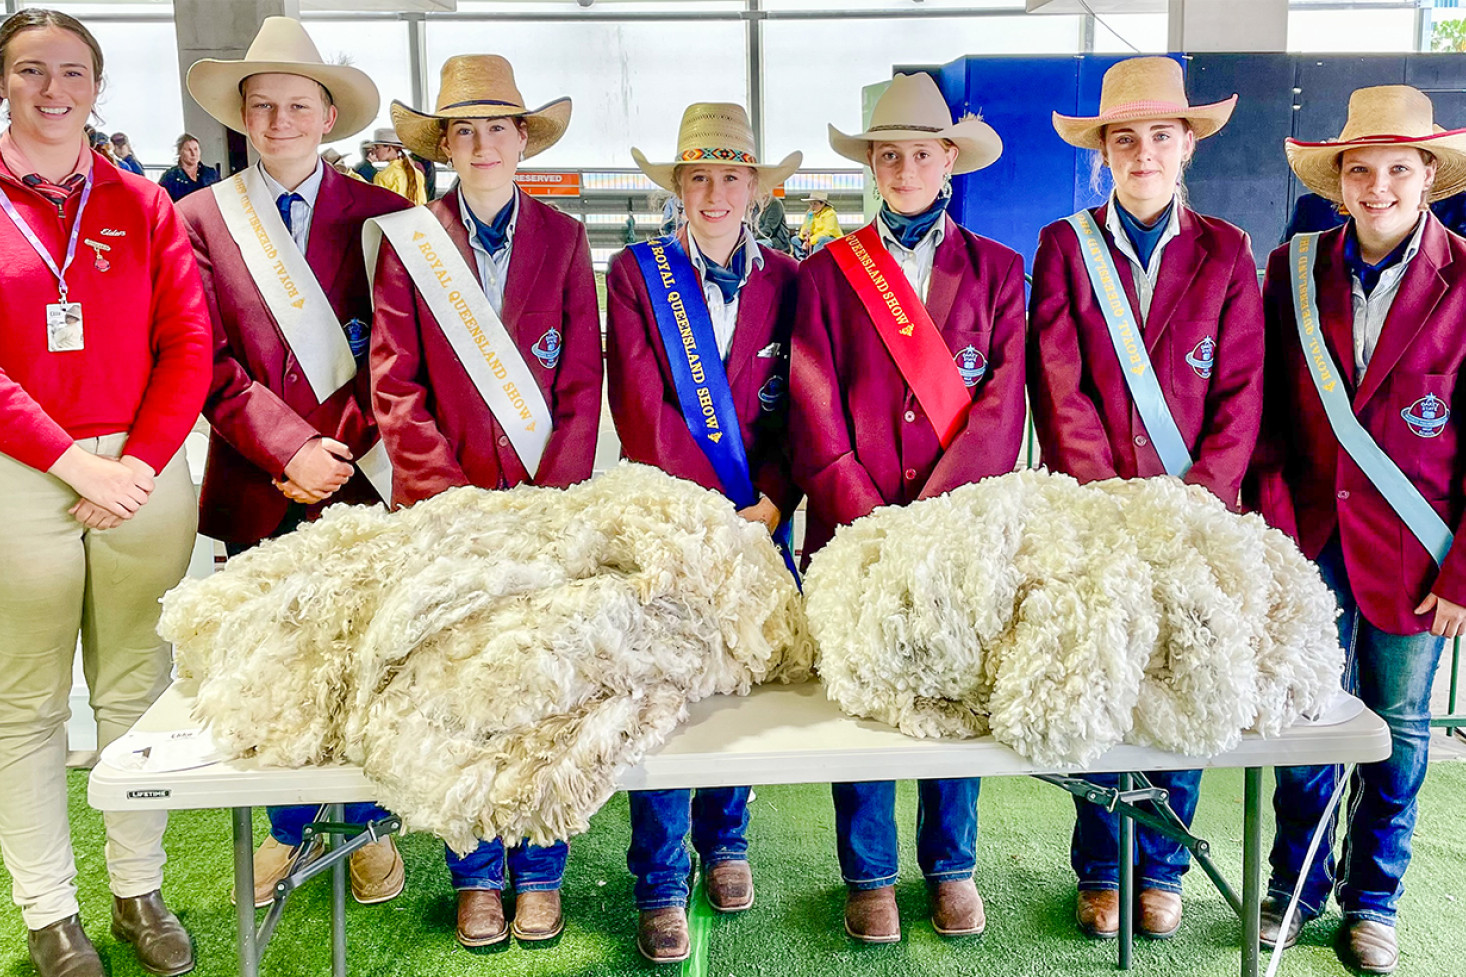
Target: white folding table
{"points": [[776, 735]]}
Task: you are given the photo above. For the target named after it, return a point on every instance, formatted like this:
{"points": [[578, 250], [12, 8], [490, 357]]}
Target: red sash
{"points": [[907, 329]]}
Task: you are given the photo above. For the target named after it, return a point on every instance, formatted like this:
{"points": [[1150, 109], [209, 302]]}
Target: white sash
{"points": [[453, 294], [296, 300]]}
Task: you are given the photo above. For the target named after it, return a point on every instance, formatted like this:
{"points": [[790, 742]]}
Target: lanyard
{"points": [[35, 242]]}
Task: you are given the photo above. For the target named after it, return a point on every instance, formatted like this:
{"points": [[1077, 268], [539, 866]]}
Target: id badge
{"points": [[64, 328]]}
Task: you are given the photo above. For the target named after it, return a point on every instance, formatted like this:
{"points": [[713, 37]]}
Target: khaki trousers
{"points": [[59, 580]]}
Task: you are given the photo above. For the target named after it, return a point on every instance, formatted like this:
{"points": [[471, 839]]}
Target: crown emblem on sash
{"points": [[547, 350], [771, 394], [1427, 417], [1203, 357], [971, 365]]}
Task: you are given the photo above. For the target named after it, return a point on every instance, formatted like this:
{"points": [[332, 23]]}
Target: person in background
{"points": [[337, 162], [101, 144], [366, 166], [772, 226], [821, 225], [188, 173], [104, 366], [401, 175], [122, 152], [429, 173]]}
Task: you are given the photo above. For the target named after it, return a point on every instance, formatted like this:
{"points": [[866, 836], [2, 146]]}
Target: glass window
{"points": [[142, 95], [1347, 31], [1146, 32], [378, 47]]}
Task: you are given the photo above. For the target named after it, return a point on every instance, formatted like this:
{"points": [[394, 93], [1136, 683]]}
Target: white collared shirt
{"points": [[302, 210], [725, 314], [1370, 311], [916, 263], [493, 270], [1144, 277]]}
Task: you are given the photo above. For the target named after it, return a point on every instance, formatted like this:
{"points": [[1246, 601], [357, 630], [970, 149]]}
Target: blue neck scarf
{"points": [[1368, 274], [495, 234], [1144, 237], [730, 278], [910, 229]]}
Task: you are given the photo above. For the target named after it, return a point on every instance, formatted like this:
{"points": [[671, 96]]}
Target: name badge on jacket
{"points": [[64, 327]]}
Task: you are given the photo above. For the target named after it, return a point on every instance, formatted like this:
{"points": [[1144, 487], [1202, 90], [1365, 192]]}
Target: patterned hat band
{"points": [[721, 155]]}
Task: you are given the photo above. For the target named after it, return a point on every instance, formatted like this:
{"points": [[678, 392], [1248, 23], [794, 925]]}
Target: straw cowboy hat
{"points": [[283, 47], [1389, 115], [1139, 90], [478, 86], [717, 133], [913, 108]]}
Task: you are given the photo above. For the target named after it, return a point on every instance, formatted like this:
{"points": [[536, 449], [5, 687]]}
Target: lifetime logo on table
{"points": [[144, 795]]}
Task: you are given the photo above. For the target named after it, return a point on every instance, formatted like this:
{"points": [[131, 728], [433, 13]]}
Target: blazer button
{"points": [[292, 376], [503, 440], [1140, 441], [1343, 494], [910, 474], [910, 416]]}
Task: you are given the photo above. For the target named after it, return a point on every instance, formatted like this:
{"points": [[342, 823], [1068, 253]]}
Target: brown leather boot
{"points": [[957, 909], [63, 950], [377, 874], [661, 935], [1272, 923], [272, 863], [537, 915], [481, 917], [1160, 913], [159, 939], [1369, 947], [1098, 913], [871, 915], [729, 885]]}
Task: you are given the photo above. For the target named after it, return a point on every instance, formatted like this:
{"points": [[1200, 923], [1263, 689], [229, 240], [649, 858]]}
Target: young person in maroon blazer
{"points": [[290, 411], [747, 307], [1192, 302], [862, 434], [1389, 294], [511, 286]]}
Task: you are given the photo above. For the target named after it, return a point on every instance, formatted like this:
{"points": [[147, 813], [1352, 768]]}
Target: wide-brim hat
{"points": [[1386, 115], [821, 196], [283, 47], [912, 108], [478, 86], [1142, 90], [716, 133], [385, 136]]}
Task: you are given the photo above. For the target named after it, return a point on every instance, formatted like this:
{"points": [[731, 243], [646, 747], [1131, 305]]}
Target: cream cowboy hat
{"points": [[820, 196], [1138, 90], [478, 86], [385, 137], [283, 47], [1389, 115], [717, 133], [913, 108]]}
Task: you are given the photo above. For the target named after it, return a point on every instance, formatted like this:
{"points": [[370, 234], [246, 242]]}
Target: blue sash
{"points": [[701, 383], [1145, 389], [1379, 467]]}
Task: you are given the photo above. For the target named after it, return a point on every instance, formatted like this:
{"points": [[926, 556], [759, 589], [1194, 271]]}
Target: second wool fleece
{"points": [[1065, 619]]}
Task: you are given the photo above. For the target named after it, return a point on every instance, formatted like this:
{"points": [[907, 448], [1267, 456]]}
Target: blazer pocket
{"points": [[1424, 426], [1190, 360]]}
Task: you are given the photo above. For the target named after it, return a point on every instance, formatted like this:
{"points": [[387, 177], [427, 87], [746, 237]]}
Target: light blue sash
{"points": [[1379, 467], [1140, 376]]}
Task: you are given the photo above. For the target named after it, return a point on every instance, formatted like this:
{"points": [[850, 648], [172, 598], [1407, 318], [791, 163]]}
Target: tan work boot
{"points": [[1369, 947], [871, 915], [661, 935], [1160, 913], [377, 874], [481, 917], [272, 864], [157, 937], [957, 909], [729, 885], [1098, 913], [537, 915]]}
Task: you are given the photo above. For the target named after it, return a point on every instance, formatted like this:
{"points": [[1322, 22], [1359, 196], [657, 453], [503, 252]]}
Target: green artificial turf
{"points": [[795, 927]]}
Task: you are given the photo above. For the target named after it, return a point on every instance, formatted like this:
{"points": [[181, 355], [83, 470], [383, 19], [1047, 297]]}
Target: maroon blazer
{"points": [[643, 398], [1307, 487], [261, 406], [1087, 422], [858, 437], [438, 431]]}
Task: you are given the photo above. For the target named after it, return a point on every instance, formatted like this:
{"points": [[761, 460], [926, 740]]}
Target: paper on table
{"points": [[180, 749], [1338, 710]]}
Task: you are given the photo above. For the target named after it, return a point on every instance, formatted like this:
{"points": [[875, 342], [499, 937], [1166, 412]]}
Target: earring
{"points": [[945, 192]]}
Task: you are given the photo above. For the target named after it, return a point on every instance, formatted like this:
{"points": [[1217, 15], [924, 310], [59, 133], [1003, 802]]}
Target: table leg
{"points": [[1127, 879], [1252, 872], [244, 887], [336, 812]]}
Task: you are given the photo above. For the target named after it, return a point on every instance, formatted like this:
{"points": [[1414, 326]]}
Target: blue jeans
{"points": [[1392, 674], [1094, 851], [531, 867], [660, 819], [946, 831], [287, 824]]}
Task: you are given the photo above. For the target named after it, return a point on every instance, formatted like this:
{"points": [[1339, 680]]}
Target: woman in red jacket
{"points": [[486, 369], [739, 302], [1167, 381], [907, 381], [104, 364]]}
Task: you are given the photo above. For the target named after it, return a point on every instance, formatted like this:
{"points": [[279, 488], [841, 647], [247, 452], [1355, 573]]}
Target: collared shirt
{"points": [[301, 210], [1370, 311], [725, 314], [1145, 275], [493, 269], [916, 263]]}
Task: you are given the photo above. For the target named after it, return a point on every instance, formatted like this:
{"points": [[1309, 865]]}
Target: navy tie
{"points": [[283, 203]]}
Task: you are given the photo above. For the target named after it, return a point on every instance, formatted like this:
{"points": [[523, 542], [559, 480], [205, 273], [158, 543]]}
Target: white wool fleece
{"points": [[491, 659]]}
